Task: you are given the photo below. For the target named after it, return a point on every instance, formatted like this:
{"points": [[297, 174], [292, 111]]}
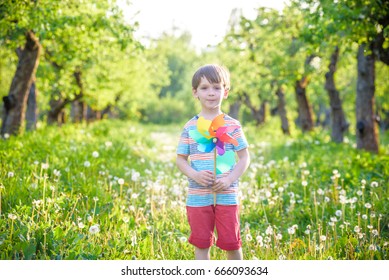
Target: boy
{"points": [[210, 85]]}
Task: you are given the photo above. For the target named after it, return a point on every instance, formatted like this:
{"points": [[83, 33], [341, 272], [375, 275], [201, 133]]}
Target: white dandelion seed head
{"points": [[12, 216], [81, 225], [374, 184], [86, 163], [357, 229], [95, 154], [279, 236], [338, 213], [291, 230], [323, 238], [368, 205], [183, 239], [94, 229], [10, 174], [44, 165], [363, 182], [259, 238], [304, 183], [249, 237], [6, 135], [269, 230], [364, 216], [120, 181]]}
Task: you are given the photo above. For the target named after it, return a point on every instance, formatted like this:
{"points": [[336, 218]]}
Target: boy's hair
{"points": [[213, 73]]}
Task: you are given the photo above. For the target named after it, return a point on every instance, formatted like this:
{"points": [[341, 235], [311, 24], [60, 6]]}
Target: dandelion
{"points": [[94, 229], [374, 184], [259, 238], [364, 216], [95, 154], [6, 135], [372, 247], [86, 163], [368, 205], [12, 216], [282, 257], [81, 225], [335, 171], [90, 219], [108, 144], [357, 229], [363, 182], [279, 236], [44, 165], [320, 191], [183, 239], [307, 231], [95, 199], [135, 176], [291, 230], [249, 237], [374, 232], [269, 230], [120, 181], [323, 238], [304, 183], [57, 172], [10, 174], [126, 219], [338, 213], [134, 195]]}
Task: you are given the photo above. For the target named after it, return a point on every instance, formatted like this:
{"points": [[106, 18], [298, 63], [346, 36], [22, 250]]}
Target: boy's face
{"points": [[210, 94]]}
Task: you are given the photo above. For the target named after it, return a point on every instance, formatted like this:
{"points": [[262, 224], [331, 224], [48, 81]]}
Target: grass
{"points": [[111, 190]]}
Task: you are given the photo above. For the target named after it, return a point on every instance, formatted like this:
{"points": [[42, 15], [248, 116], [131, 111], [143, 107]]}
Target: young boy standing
{"points": [[210, 85]]}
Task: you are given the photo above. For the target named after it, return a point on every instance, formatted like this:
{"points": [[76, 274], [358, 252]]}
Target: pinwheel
{"points": [[212, 135]]}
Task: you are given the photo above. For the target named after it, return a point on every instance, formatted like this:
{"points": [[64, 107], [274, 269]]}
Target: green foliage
{"points": [[62, 196]]}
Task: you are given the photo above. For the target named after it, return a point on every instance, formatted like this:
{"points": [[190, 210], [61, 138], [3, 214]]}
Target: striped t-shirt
{"points": [[203, 196]]}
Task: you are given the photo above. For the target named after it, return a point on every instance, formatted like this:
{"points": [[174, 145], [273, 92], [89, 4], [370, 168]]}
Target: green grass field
{"points": [[111, 191]]}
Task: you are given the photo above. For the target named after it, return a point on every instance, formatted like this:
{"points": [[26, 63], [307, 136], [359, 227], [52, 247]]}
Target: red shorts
{"points": [[202, 221]]}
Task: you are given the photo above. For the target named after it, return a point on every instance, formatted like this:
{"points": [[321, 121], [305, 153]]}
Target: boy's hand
{"points": [[204, 178], [221, 184]]}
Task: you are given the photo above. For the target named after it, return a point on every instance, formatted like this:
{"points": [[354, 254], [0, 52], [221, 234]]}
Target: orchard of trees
{"points": [[315, 63]]}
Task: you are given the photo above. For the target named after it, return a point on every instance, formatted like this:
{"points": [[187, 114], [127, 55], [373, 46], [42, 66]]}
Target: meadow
{"points": [[111, 191]]}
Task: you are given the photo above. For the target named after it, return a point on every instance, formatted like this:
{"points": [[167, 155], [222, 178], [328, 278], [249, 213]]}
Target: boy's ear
{"points": [[226, 91], [194, 93]]}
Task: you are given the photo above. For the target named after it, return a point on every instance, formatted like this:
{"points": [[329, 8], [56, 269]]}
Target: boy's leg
{"points": [[228, 230], [235, 254], [202, 224], [202, 254]]}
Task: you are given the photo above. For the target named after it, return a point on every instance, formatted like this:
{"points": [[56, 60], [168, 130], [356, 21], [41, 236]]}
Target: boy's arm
{"points": [[239, 169], [204, 178]]}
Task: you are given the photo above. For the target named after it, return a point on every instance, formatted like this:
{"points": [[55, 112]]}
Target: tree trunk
{"points": [[259, 115], [57, 105], [79, 108], [234, 109], [281, 109], [338, 120], [304, 109], [366, 129], [16, 101], [32, 108]]}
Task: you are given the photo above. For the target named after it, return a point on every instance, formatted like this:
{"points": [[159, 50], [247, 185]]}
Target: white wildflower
{"points": [[94, 229]]}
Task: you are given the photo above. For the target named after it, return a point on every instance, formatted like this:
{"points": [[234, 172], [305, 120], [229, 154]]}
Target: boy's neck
{"points": [[209, 115]]}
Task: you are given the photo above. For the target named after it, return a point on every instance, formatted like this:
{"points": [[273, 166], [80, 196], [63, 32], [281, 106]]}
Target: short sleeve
{"points": [[183, 144], [240, 137]]}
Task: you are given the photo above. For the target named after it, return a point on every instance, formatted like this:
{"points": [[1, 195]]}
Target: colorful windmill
{"points": [[212, 135]]}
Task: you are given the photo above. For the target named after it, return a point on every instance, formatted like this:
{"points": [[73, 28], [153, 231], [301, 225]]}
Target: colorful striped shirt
{"points": [[203, 196]]}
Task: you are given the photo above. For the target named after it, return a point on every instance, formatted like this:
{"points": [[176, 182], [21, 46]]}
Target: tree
{"points": [[365, 23]]}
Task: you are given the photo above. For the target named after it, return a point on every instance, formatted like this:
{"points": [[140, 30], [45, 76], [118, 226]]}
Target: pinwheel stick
{"points": [[214, 175]]}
